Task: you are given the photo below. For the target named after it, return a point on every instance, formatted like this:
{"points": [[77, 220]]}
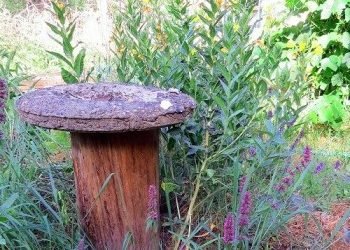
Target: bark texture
{"points": [[113, 173]]}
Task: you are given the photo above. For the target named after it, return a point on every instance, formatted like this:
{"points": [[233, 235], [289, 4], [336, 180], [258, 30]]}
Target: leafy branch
{"points": [[72, 66]]}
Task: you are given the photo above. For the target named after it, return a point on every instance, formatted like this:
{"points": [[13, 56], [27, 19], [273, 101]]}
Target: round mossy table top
{"points": [[104, 107]]}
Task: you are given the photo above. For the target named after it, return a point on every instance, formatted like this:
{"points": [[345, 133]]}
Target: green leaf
{"points": [[327, 38], [54, 28], [210, 172], [2, 241], [332, 7], [61, 57], [326, 9], [345, 40], [346, 60], [347, 14], [331, 62], [313, 117], [337, 79], [294, 4], [71, 33], [212, 31], [68, 77], [67, 48], [168, 187], [329, 109], [323, 85], [312, 6], [59, 12], [9, 202], [3, 219], [339, 6], [79, 62]]}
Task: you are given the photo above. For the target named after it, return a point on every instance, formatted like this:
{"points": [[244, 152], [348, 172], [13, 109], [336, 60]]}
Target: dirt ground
{"points": [[309, 234]]}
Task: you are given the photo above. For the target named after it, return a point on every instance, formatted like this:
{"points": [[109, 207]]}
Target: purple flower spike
{"points": [[288, 180], [337, 165], [269, 114], [307, 155], [280, 187], [346, 236], [275, 205], [246, 205], [152, 203], [252, 151], [319, 168], [3, 96], [229, 229], [291, 122], [297, 140], [81, 245], [242, 181]]}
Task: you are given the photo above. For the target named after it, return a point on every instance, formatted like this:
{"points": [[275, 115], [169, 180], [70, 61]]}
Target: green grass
{"points": [[14, 6], [32, 57]]}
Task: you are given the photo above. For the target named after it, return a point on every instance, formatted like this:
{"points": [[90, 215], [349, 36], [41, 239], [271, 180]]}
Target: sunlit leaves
{"points": [[72, 66], [332, 7]]}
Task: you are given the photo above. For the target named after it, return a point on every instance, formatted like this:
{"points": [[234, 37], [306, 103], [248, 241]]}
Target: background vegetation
{"points": [[248, 161]]}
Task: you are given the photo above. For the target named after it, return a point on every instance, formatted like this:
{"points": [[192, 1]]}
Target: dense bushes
{"points": [[323, 42], [208, 54]]}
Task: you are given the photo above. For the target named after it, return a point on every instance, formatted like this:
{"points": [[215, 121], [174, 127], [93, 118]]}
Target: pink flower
{"points": [[319, 168], [252, 151], [337, 165], [280, 187], [246, 205], [346, 236], [3, 96], [287, 180], [269, 114], [81, 245], [229, 229], [152, 203], [307, 155]]}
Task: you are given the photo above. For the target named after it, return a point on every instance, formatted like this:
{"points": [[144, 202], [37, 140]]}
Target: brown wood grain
{"points": [[131, 161]]}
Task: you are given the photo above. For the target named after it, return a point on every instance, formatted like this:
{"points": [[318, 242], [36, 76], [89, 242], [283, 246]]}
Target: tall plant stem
{"points": [[193, 201]]}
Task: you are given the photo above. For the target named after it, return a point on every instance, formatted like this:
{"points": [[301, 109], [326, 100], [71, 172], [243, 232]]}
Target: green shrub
{"points": [[208, 54], [327, 109], [323, 41]]}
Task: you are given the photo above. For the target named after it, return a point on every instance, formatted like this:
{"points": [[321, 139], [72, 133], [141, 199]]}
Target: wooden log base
{"points": [[113, 173]]}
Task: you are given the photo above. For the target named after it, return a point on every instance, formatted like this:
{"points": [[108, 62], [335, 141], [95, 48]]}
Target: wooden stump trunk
{"points": [[113, 173]]}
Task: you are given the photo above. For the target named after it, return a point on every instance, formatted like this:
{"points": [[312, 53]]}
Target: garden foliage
{"points": [[72, 67], [246, 105], [236, 172], [35, 211], [323, 42]]}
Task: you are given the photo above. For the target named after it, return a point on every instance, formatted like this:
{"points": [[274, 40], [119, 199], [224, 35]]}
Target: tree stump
{"points": [[115, 144]]}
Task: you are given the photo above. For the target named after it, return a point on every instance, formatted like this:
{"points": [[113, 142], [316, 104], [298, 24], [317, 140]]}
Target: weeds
{"points": [[38, 202]]}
